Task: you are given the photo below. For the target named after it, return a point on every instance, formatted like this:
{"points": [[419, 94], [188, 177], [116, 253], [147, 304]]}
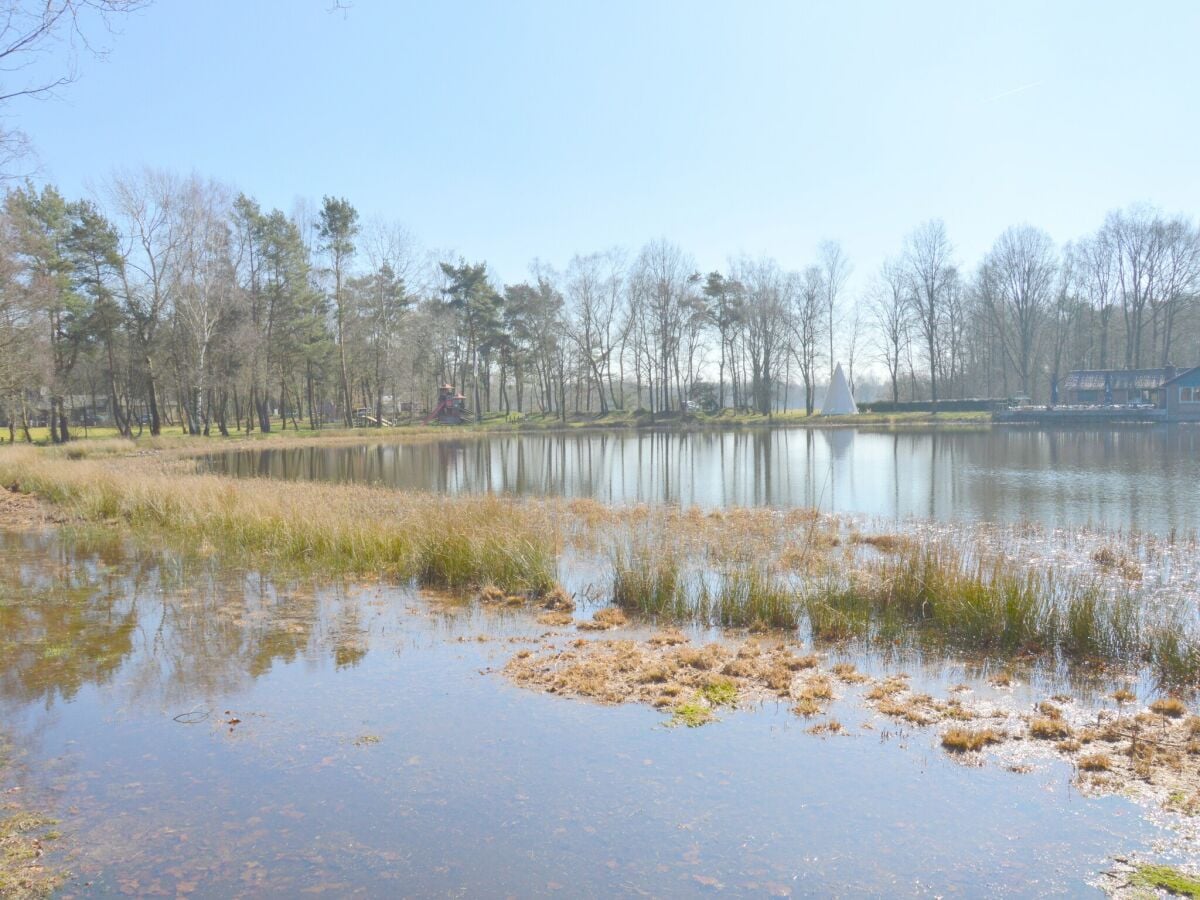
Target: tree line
{"points": [[170, 301]]}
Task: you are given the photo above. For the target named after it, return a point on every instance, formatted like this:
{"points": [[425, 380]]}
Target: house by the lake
{"points": [[1169, 393], [1113, 387], [1180, 396]]}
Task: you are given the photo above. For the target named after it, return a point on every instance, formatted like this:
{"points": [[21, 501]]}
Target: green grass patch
{"points": [[720, 692], [1165, 878], [693, 714]]}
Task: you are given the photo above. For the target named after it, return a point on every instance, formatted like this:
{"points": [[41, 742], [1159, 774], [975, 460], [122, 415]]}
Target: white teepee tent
{"points": [[838, 399]]}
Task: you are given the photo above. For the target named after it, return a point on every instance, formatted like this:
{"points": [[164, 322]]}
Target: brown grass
{"points": [[1048, 729], [806, 706], [848, 673], [1095, 762], [558, 600], [1171, 707], [815, 687], [454, 542], [491, 595], [669, 638], [886, 543], [965, 740], [604, 619]]}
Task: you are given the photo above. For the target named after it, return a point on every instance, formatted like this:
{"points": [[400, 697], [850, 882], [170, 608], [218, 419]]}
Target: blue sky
{"points": [[511, 130]]}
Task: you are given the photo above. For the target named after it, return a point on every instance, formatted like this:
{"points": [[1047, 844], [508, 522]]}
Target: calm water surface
{"points": [[379, 753], [1145, 479]]}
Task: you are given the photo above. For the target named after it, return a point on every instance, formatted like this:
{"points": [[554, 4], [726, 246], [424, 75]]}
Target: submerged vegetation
{"points": [[22, 838], [22, 874]]}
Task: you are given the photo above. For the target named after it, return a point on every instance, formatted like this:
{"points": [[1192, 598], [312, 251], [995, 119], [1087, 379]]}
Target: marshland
{"points": [[341, 667], [523, 450]]}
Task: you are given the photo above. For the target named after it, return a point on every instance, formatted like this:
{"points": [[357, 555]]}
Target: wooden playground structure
{"points": [[451, 407]]}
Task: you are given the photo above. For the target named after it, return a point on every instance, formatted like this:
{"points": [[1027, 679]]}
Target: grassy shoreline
{"points": [[539, 423], [759, 569]]}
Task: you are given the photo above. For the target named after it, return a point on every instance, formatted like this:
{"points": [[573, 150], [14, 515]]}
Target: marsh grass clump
{"points": [[667, 638], [848, 673], [1174, 652], [750, 595], [1169, 707], [1095, 762], [603, 619], [1049, 710], [558, 600], [490, 595], [966, 740], [806, 707], [1113, 560], [816, 687], [1049, 728], [648, 578], [886, 543]]}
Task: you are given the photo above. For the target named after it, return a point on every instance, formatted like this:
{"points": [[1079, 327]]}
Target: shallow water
{"points": [[1142, 479], [379, 752]]}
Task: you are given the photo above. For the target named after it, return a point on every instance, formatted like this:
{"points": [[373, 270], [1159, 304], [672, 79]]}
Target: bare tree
{"points": [[664, 275], [1019, 277], [204, 292], [835, 269], [768, 306], [1096, 276], [1180, 278], [892, 315], [808, 307], [596, 322], [931, 274], [28, 32], [392, 257], [146, 202]]}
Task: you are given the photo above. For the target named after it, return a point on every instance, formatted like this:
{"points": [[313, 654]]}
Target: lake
{"points": [[1140, 478]]}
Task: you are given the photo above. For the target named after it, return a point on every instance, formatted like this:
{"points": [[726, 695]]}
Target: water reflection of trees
{"points": [[1140, 477], [60, 627], [164, 629]]}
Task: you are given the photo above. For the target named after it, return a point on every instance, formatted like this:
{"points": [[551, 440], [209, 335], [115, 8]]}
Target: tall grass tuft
{"points": [[750, 595], [647, 577]]}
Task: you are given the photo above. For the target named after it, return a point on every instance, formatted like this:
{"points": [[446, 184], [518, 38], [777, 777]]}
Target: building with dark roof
{"points": [[1173, 392], [1108, 387], [1180, 396]]}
